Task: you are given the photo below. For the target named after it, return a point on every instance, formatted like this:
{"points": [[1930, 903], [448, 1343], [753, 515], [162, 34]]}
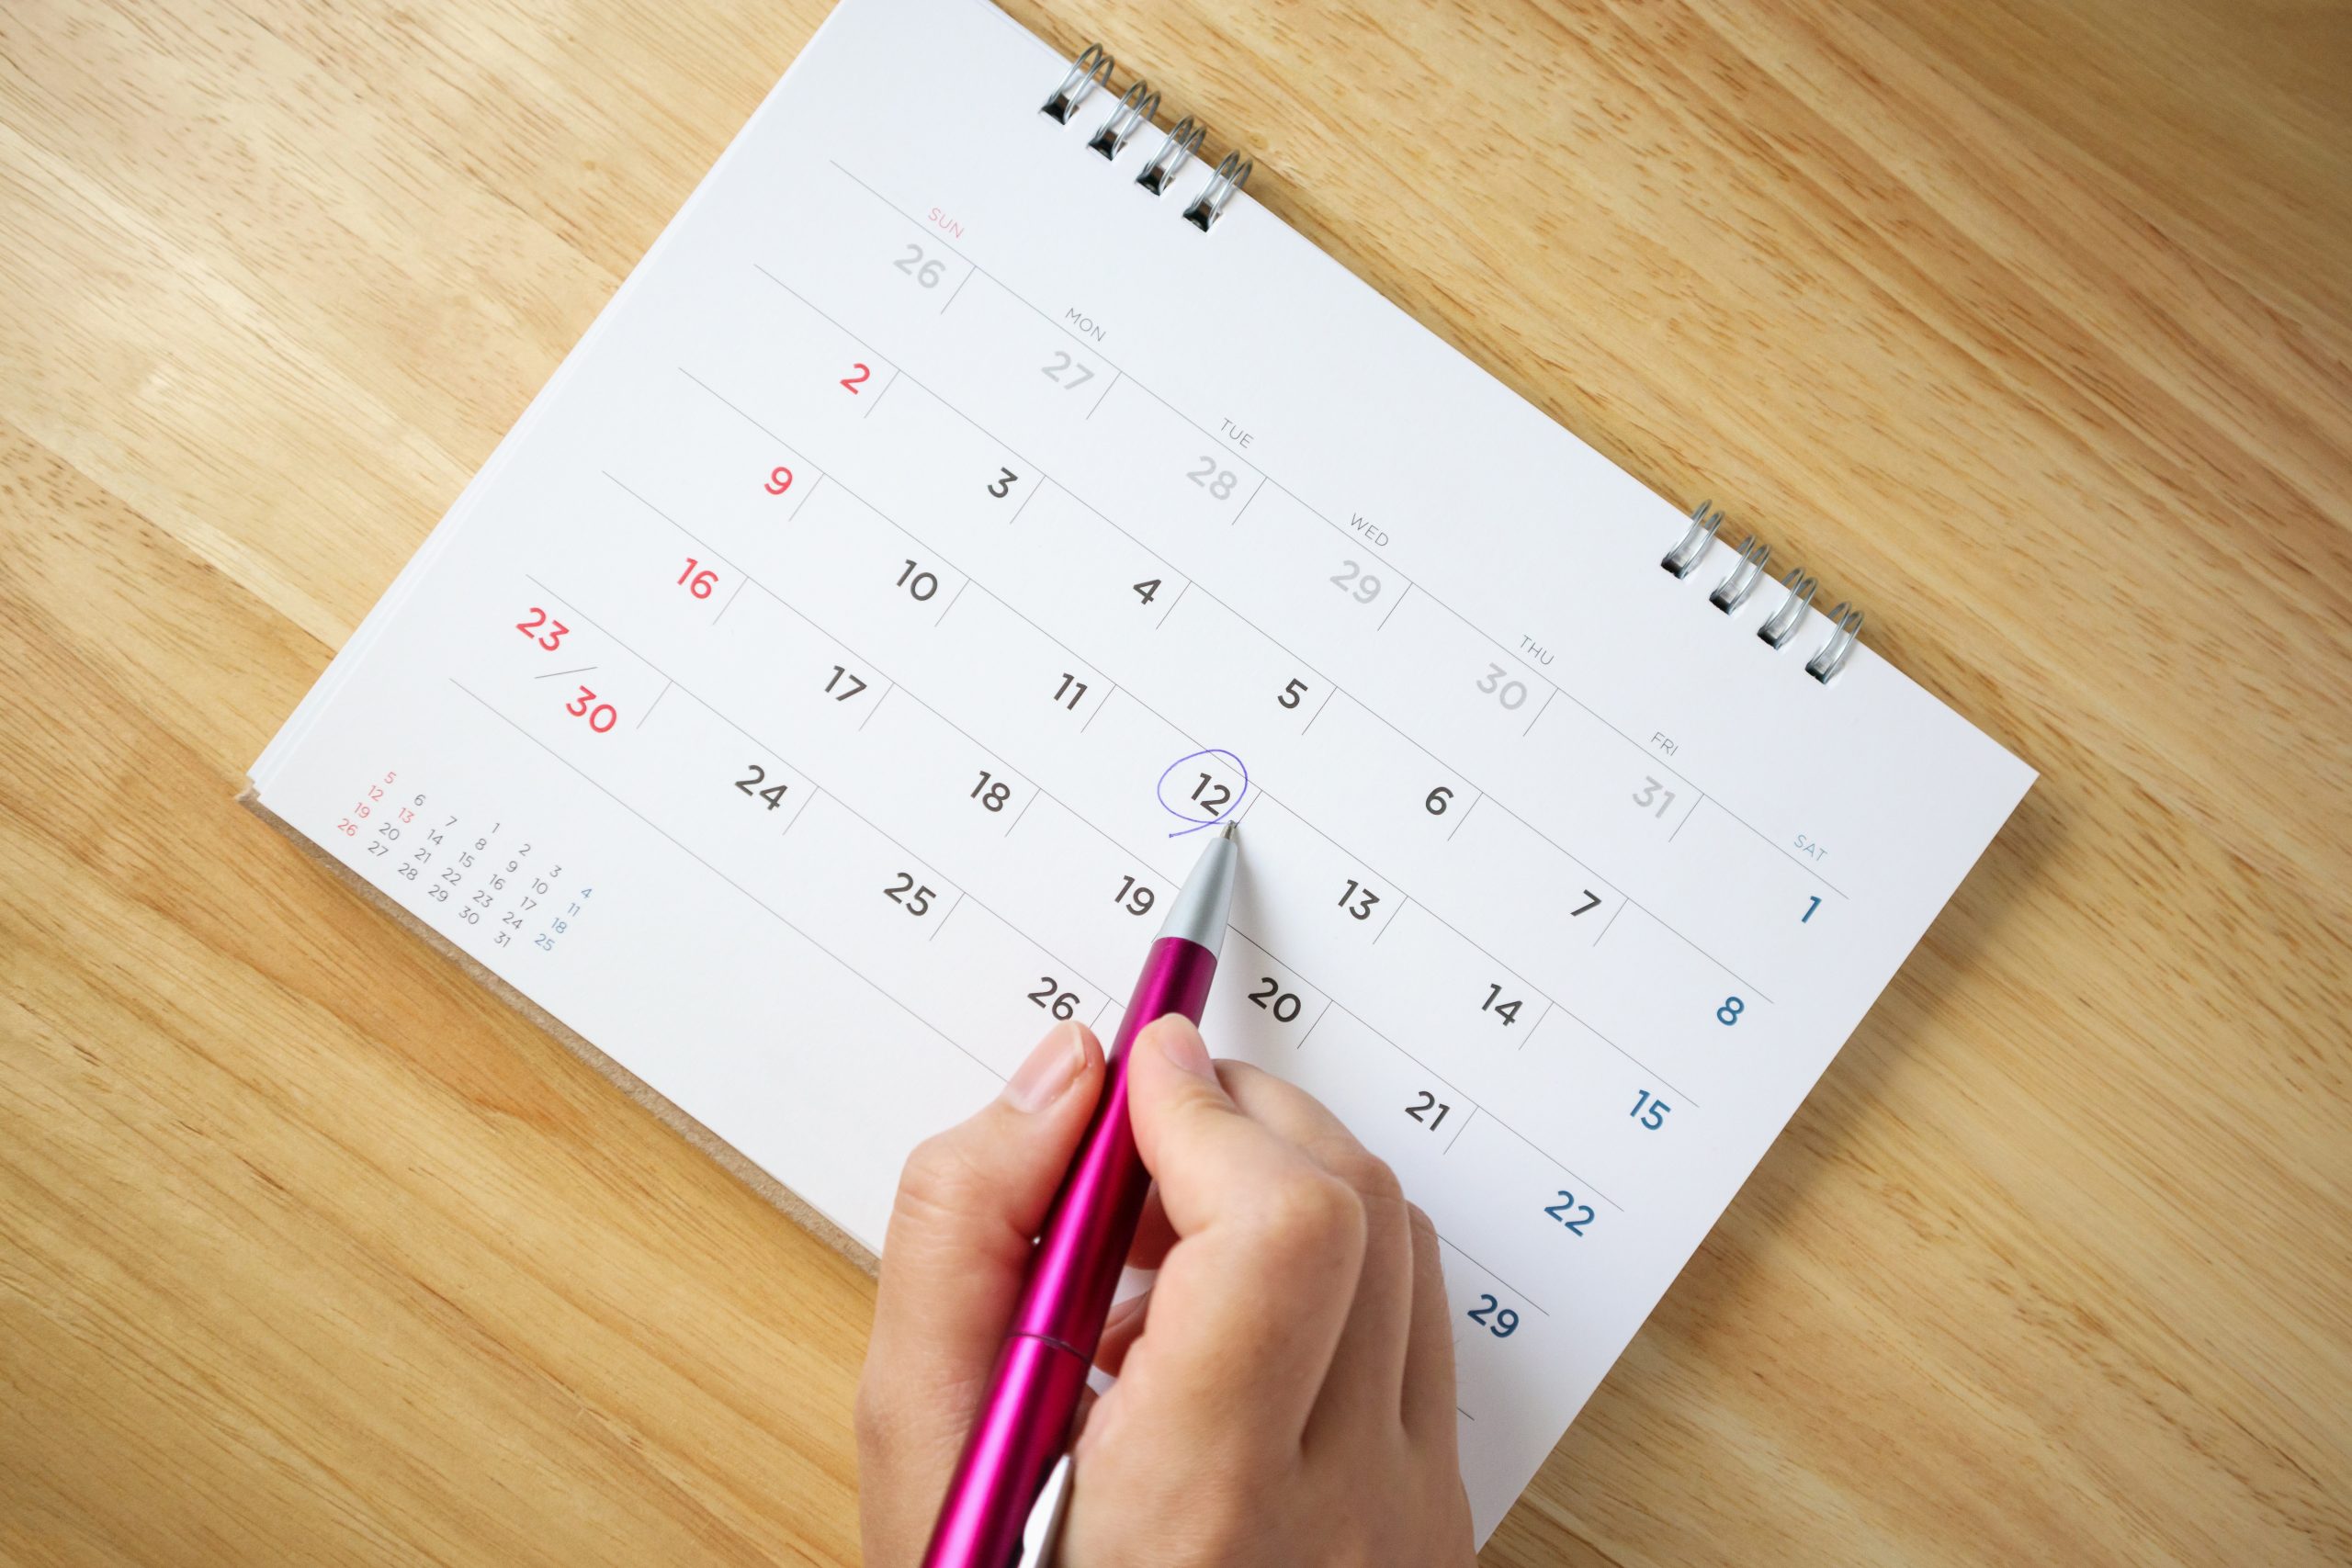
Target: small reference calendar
{"points": [[821, 688]]}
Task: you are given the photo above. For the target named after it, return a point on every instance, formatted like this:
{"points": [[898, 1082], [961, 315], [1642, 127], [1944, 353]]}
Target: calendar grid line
{"points": [[1408, 593], [949, 916], [1623, 898], [1099, 707], [1612, 920], [1190, 581], [1479, 796], [842, 800], [1499, 1279], [1367, 866], [1330, 999], [1335, 690], [1578, 1019], [852, 969], [1474, 1109], [666, 684], [731, 597], [805, 496], [951, 601], [743, 414], [890, 682], [1267, 478], [1244, 512], [1026, 500], [1497, 1121], [1035, 795], [970, 580], [786, 920], [1320, 1013], [968, 271], [1543, 708]]}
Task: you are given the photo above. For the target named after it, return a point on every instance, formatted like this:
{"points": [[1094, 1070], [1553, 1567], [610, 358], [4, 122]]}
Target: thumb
{"points": [[969, 1204]]}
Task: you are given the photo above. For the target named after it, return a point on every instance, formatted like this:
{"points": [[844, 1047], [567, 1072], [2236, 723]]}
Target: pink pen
{"points": [[1024, 1424]]}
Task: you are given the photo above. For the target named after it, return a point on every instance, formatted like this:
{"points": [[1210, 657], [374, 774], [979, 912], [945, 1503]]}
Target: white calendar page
{"points": [[818, 691]]}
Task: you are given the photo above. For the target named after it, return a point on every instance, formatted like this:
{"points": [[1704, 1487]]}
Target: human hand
{"points": [[1285, 1391]]}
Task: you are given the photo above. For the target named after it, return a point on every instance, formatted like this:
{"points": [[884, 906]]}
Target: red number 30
{"points": [[600, 715]]}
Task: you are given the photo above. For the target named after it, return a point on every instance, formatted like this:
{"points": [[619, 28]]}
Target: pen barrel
{"points": [[1023, 1425], [1019, 1434], [1092, 1222]]}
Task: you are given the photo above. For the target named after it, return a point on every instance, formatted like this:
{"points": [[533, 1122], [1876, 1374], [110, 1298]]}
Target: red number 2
{"points": [[853, 382]]}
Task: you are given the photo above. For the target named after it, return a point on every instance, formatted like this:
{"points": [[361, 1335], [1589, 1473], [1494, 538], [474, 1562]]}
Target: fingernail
{"points": [[1051, 1068], [1182, 1044]]}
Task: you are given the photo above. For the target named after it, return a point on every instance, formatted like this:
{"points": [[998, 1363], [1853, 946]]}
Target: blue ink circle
{"points": [[1194, 824]]}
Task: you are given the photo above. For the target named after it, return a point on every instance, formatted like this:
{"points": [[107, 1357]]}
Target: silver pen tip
{"points": [[1232, 832]]}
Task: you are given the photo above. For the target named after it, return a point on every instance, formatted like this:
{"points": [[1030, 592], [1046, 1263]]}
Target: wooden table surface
{"points": [[2026, 321]]}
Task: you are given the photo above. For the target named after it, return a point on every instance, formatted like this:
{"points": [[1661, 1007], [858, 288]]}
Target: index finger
{"points": [[1252, 1301]]}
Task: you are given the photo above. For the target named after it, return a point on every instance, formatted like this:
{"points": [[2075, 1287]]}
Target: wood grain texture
{"points": [[2026, 321]]}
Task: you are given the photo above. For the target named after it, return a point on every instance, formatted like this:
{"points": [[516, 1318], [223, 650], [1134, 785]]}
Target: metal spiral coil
{"points": [[1824, 666], [1091, 70], [1734, 589], [1782, 624], [1695, 540], [1182, 143], [1136, 109], [1781, 628], [1222, 186]]}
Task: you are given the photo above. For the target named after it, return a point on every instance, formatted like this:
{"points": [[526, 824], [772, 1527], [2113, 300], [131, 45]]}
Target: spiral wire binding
{"points": [[1222, 186], [1182, 142], [1734, 589], [1701, 532], [1136, 109], [1825, 665], [1781, 625], [1090, 69]]}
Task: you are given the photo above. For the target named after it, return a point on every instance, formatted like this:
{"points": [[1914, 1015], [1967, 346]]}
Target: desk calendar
{"points": [[817, 691]]}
